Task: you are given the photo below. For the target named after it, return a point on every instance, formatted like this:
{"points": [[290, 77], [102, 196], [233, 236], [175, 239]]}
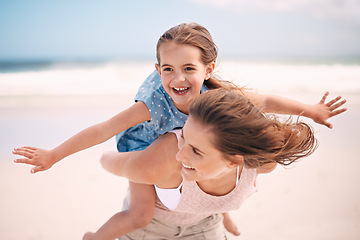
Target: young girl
{"points": [[186, 57], [225, 143]]}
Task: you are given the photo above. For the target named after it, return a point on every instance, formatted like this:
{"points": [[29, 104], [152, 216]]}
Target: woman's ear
{"points": [[158, 69], [235, 161]]}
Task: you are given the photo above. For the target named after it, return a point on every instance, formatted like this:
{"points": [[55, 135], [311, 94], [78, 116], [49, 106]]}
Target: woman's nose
{"points": [[180, 156]]}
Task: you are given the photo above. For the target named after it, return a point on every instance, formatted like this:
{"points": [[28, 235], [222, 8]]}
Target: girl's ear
{"points": [[158, 69], [235, 161], [209, 70]]}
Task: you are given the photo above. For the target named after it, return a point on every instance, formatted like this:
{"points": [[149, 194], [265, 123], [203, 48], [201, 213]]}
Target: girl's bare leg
{"points": [[230, 225], [139, 214]]}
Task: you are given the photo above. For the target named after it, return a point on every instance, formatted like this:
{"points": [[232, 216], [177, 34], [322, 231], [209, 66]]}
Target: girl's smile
{"points": [[180, 91]]}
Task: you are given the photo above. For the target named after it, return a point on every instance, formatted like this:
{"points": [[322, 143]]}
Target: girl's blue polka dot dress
{"points": [[164, 116]]}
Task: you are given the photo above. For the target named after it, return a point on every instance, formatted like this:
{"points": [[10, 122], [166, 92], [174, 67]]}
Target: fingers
{"points": [[335, 106], [29, 148], [36, 169], [333, 101], [23, 152], [27, 152], [324, 97], [337, 112], [28, 161], [26, 149], [330, 109], [32, 156], [327, 124], [24, 160], [88, 236]]}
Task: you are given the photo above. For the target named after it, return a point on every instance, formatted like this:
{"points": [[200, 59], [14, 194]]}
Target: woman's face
{"points": [[182, 72], [200, 159]]}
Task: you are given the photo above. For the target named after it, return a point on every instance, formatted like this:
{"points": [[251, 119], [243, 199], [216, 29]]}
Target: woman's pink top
{"points": [[195, 205]]}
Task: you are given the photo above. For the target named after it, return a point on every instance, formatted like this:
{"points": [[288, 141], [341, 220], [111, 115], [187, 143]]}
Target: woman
{"points": [[210, 166]]}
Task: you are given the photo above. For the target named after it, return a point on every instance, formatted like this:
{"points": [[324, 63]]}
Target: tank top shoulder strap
{"points": [[177, 133], [237, 175]]}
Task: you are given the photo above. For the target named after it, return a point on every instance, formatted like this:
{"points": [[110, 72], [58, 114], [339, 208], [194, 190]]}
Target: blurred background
{"points": [[46, 45], [102, 30], [65, 65]]}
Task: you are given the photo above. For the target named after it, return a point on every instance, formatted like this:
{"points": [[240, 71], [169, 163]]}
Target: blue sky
{"points": [[94, 29]]}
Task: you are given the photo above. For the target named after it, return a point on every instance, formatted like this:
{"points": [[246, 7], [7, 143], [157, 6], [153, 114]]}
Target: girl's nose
{"points": [[179, 76]]}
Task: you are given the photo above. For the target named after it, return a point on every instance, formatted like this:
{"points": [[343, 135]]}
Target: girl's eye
{"points": [[189, 69], [167, 69]]}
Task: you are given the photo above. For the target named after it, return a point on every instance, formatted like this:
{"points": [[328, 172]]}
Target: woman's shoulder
{"points": [[162, 161]]}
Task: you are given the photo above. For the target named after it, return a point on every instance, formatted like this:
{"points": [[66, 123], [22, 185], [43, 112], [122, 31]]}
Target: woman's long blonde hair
{"points": [[240, 128]]}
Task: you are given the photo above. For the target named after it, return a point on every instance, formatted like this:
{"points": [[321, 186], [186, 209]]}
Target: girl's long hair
{"points": [[198, 36]]}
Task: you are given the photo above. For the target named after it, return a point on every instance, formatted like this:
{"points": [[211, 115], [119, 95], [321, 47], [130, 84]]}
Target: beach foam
{"points": [[126, 77]]}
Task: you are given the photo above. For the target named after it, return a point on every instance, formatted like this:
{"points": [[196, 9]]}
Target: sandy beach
{"points": [[67, 65], [316, 199]]}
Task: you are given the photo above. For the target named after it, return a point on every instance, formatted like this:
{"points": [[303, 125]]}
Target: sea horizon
{"points": [[281, 76], [33, 64]]}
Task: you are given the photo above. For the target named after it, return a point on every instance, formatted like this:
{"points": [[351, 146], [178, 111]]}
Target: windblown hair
{"points": [[198, 36], [240, 128]]}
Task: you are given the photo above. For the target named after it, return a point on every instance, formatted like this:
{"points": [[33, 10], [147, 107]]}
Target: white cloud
{"points": [[346, 9]]}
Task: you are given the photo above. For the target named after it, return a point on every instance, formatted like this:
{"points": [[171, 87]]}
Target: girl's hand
{"points": [[41, 159], [88, 236], [323, 111]]}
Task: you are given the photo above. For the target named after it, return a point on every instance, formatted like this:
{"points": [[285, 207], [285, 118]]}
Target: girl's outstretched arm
{"points": [[43, 159], [319, 113]]}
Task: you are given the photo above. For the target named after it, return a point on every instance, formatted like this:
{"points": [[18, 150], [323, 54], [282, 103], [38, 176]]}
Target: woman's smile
{"points": [[187, 167]]}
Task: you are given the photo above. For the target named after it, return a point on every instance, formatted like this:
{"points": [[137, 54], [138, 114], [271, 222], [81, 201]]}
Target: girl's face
{"points": [[200, 159], [182, 72]]}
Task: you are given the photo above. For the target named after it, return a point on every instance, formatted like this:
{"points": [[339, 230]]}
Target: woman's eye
{"points": [[195, 151]]}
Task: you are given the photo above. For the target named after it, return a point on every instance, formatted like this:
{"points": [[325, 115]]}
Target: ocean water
{"points": [[119, 77]]}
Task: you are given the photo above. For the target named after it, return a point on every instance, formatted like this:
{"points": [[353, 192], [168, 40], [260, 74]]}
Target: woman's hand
{"points": [[322, 111], [41, 159]]}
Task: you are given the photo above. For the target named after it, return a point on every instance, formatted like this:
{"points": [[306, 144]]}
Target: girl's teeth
{"points": [[181, 90]]}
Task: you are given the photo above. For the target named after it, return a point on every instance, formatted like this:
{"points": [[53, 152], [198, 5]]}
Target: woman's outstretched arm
{"points": [[154, 165]]}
